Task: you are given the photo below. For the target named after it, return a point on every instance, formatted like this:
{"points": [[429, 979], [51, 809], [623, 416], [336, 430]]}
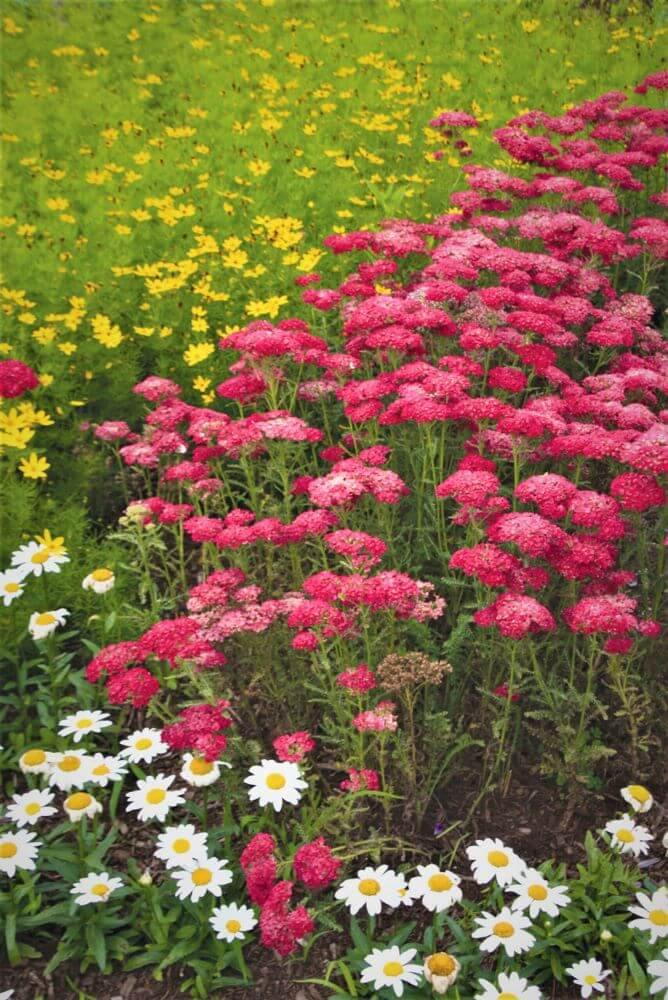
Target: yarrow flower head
{"points": [[315, 865], [293, 746]]}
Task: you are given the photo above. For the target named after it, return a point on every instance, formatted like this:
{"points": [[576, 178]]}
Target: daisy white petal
{"points": [[18, 850], [28, 808], [202, 876], [274, 782], [153, 798], [588, 975], [371, 889], [82, 723], [506, 930], [231, 921], [94, 888], [491, 859]]}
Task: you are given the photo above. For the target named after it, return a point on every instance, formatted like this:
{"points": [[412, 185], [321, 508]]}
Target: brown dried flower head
{"points": [[399, 671]]}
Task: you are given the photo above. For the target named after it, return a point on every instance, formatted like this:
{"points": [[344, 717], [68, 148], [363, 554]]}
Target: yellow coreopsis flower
{"points": [[55, 546], [34, 467], [196, 353]]}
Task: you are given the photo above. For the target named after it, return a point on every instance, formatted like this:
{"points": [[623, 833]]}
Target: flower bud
{"points": [[440, 971], [606, 935], [146, 878]]}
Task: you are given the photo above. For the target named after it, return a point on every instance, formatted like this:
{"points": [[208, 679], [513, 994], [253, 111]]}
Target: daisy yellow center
{"points": [[202, 876], [658, 917], [538, 891], [590, 980], [70, 763], [503, 929], [41, 556], [34, 757], [233, 926], [639, 793], [155, 796], [275, 781], [499, 859], [99, 889], [101, 770], [12, 588], [46, 618], [626, 836], [181, 845], [369, 887], [439, 883], [507, 996], [101, 575], [199, 766], [441, 964], [32, 808], [393, 969], [80, 800], [84, 723], [143, 744], [8, 850]]}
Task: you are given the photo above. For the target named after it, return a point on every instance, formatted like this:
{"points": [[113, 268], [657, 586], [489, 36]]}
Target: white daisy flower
{"points": [[231, 922], [37, 559], [36, 761], [11, 586], [274, 782], [437, 889], [69, 770], [536, 895], [505, 929], [43, 623], [491, 859], [18, 850], [659, 969], [100, 580], [143, 746], [652, 913], [81, 804], [105, 769], [82, 723], [29, 808], [201, 876], [588, 975], [95, 888], [391, 967], [181, 845], [511, 987], [441, 970], [198, 771], [629, 838], [638, 797], [153, 798], [664, 841], [372, 888]]}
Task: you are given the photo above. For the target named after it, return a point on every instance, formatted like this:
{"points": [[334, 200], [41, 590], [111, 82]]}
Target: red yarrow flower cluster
{"points": [[315, 865], [293, 746], [200, 728], [16, 378]]}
